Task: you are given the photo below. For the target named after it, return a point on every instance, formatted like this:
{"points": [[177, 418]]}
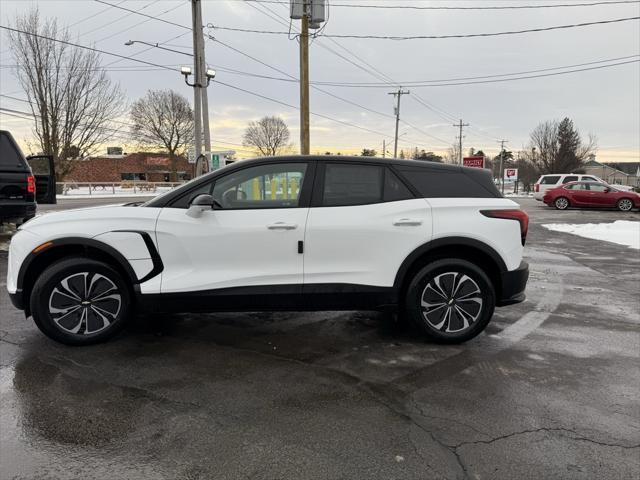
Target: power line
{"points": [[437, 37], [376, 73], [418, 83], [108, 24], [167, 68], [371, 70], [497, 7], [168, 22], [280, 102], [97, 50], [292, 79], [138, 24], [274, 16]]}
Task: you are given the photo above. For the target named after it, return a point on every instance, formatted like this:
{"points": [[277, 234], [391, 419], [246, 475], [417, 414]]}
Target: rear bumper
{"points": [[17, 212], [513, 285]]}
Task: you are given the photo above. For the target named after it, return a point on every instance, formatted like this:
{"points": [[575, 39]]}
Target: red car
{"points": [[590, 194]]}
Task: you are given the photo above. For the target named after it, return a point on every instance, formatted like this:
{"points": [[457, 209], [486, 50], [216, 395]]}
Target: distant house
{"points": [[117, 167], [620, 173]]}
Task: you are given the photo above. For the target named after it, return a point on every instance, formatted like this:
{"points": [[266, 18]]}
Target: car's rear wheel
{"points": [[561, 203], [624, 204], [450, 300], [78, 301]]}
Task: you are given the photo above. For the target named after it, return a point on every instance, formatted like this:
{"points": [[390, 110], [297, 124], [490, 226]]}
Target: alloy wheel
{"points": [[451, 302], [85, 303], [625, 205], [562, 203]]}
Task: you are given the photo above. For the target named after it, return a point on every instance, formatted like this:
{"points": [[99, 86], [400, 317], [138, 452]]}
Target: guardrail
{"points": [[114, 188]]}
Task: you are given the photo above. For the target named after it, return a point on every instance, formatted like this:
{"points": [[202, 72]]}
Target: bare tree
{"points": [[72, 99], [164, 119], [528, 172], [558, 147], [269, 136]]}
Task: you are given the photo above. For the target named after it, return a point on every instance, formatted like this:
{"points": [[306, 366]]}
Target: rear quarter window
{"points": [[445, 183], [10, 157]]}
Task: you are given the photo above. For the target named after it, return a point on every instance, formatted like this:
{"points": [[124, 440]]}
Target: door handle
{"points": [[282, 226], [408, 221]]}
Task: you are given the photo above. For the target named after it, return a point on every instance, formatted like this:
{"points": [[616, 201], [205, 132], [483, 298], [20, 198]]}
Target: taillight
{"points": [[31, 184], [536, 187], [519, 215]]}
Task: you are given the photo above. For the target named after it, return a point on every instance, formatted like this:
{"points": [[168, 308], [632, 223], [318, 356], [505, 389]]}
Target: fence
{"points": [[126, 187]]}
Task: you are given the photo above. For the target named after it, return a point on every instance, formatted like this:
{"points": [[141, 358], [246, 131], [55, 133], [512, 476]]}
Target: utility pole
{"points": [[203, 81], [312, 15], [460, 126], [384, 148], [502, 142], [397, 96], [305, 140], [196, 26]]}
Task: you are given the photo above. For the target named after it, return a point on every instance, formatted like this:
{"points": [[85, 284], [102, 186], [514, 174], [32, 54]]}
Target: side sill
{"points": [[316, 297]]}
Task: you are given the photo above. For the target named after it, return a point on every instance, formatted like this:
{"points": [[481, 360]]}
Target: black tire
{"points": [[561, 203], [428, 321], [624, 205], [96, 315]]}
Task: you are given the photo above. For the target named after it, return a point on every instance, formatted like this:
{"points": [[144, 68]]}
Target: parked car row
{"points": [[563, 191]]}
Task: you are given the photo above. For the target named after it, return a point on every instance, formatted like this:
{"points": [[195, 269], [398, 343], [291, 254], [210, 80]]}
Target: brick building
{"points": [[143, 166]]}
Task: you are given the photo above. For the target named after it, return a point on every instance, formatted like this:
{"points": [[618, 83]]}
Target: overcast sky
{"points": [[605, 102]]}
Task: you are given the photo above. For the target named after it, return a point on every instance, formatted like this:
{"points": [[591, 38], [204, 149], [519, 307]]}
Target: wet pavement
{"points": [[549, 391]]}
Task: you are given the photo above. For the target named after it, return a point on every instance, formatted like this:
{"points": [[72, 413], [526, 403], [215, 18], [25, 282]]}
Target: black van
{"points": [[23, 181]]}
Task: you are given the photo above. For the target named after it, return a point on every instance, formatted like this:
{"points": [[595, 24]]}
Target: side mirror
{"points": [[607, 190], [201, 203]]}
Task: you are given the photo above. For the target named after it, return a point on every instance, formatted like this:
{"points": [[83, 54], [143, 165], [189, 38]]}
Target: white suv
{"points": [[437, 242], [547, 182]]}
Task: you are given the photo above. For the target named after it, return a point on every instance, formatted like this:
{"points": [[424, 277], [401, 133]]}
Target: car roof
{"points": [[353, 158]]}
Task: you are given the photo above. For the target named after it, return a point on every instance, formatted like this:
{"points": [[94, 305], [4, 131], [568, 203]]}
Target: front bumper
{"points": [[513, 285]]}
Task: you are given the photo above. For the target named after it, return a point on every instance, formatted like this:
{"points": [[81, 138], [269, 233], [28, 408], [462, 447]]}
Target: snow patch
{"points": [[622, 232]]}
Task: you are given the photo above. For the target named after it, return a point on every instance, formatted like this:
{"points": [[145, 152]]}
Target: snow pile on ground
{"points": [[622, 232]]}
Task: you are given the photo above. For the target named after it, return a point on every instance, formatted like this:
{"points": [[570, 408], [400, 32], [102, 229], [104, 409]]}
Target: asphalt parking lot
{"points": [[549, 391]]}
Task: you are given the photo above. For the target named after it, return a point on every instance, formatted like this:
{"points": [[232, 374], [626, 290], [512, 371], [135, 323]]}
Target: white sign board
{"points": [[511, 174], [191, 155]]}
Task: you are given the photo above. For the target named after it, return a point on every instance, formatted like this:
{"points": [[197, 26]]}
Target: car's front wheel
{"points": [[450, 300], [78, 301], [624, 204]]}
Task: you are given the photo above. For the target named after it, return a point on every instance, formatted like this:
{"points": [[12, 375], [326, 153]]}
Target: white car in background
{"points": [[547, 182]]}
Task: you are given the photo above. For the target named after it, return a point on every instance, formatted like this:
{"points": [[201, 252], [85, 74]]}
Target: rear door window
{"points": [[570, 178], [10, 156], [591, 179], [346, 185], [394, 189], [550, 179]]}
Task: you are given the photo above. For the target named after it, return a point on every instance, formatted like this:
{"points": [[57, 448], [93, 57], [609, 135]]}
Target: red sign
{"points": [[476, 162]]}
